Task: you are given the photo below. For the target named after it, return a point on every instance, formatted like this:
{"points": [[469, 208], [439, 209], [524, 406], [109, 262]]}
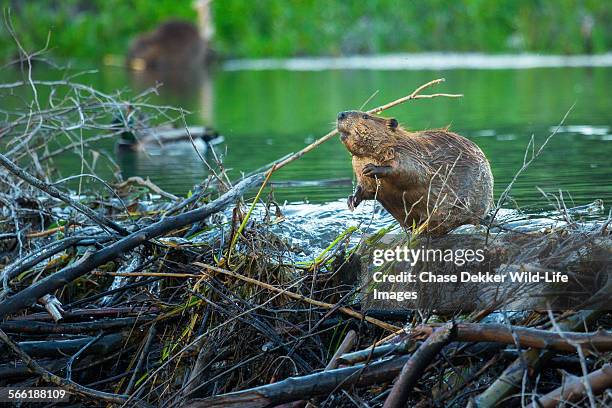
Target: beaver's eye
{"points": [[365, 116]]}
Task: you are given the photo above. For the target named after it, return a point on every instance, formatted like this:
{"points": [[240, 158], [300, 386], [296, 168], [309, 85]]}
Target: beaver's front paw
{"points": [[372, 170], [353, 201]]}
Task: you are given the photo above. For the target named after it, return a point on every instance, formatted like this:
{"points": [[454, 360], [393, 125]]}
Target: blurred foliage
{"points": [[256, 28]]}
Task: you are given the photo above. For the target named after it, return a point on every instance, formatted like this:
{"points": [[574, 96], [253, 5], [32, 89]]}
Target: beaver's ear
{"points": [[392, 123]]}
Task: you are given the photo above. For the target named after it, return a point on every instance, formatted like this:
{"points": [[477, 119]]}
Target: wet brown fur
{"points": [[433, 175]]}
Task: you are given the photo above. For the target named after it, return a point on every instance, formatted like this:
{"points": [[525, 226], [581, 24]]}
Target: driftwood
{"points": [[574, 390], [418, 362]]}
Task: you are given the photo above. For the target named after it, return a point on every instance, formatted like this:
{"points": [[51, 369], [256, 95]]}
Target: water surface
{"points": [[265, 114]]}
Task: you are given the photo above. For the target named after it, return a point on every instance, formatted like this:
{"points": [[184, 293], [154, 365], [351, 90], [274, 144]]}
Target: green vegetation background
{"points": [[90, 29]]}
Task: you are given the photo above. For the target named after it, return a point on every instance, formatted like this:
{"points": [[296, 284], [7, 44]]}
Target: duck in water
{"points": [[135, 134]]}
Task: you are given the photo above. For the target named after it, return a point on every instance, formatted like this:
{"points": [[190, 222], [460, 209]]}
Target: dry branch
{"points": [[530, 360], [344, 347], [148, 184]]}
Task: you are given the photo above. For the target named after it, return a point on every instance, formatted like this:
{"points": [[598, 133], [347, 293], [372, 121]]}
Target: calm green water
{"points": [[266, 114]]}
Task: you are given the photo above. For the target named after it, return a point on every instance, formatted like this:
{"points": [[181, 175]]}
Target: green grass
{"points": [[282, 28]]}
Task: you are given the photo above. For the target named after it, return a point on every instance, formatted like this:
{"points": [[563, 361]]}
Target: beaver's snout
{"points": [[343, 124]]}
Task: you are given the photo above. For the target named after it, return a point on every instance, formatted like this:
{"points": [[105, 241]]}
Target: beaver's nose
{"points": [[342, 115]]}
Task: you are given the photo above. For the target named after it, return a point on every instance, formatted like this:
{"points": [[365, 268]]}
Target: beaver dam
{"points": [[129, 295]]}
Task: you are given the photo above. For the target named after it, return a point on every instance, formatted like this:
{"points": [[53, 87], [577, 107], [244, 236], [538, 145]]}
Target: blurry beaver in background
{"points": [[433, 176], [175, 45], [172, 46]]}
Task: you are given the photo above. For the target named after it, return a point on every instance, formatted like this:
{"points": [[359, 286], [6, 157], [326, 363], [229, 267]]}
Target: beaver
{"points": [[174, 45], [433, 178]]}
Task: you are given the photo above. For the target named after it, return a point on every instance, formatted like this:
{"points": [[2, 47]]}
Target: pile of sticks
{"points": [[191, 302]]}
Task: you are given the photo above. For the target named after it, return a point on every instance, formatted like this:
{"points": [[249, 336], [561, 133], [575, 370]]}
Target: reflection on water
{"points": [[188, 85], [424, 61], [265, 114]]}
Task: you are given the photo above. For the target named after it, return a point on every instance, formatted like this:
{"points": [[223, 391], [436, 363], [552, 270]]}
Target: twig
{"points": [[76, 355], [526, 163], [148, 184], [141, 360], [580, 350]]}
